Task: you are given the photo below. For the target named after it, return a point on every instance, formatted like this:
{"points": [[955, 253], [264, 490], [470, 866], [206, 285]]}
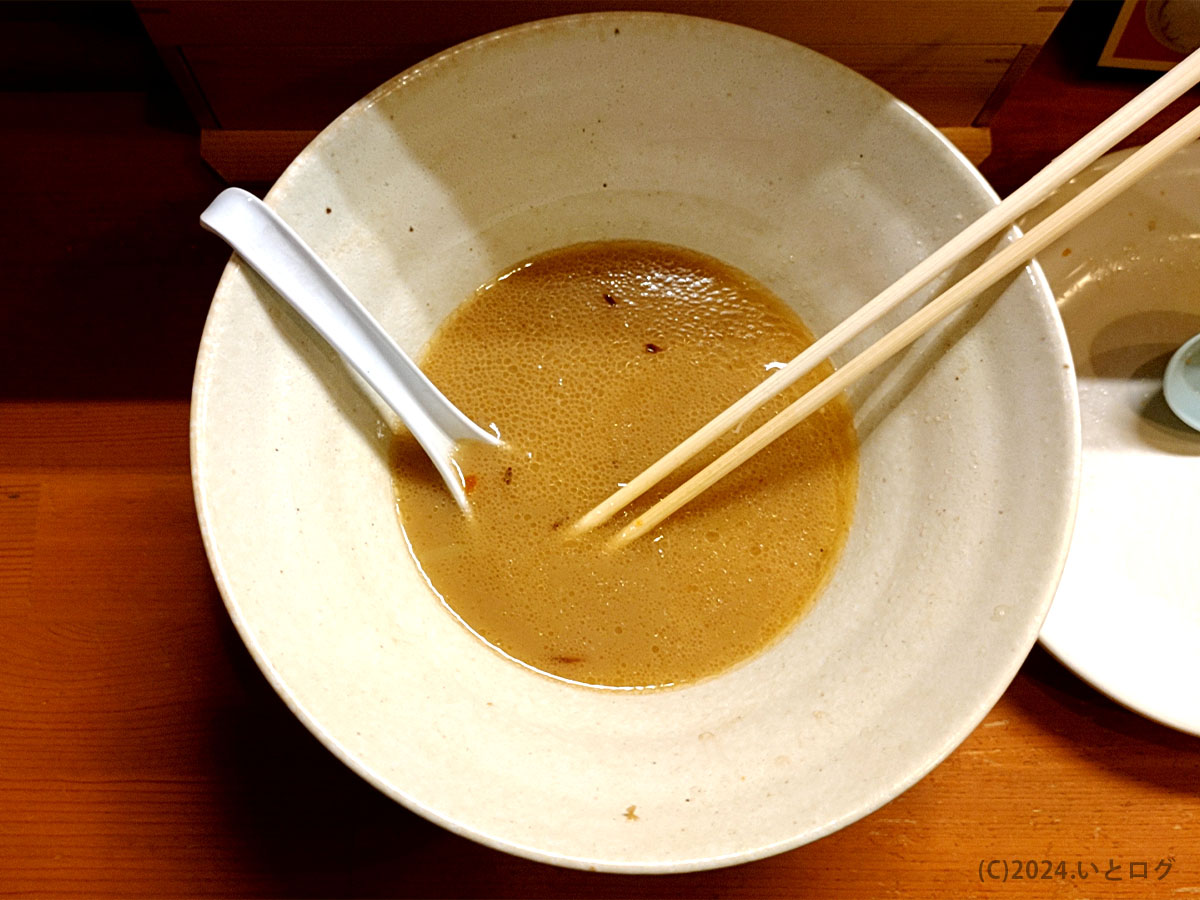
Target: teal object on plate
{"points": [[1181, 383]]}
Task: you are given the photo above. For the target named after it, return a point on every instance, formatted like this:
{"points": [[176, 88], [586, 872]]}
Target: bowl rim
{"points": [[968, 724]]}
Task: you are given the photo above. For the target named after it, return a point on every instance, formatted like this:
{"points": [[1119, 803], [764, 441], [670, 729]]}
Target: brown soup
{"points": [[593, 361]]}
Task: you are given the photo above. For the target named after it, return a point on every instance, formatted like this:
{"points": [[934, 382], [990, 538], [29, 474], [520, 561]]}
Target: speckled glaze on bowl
{"points": [[733, 143]]}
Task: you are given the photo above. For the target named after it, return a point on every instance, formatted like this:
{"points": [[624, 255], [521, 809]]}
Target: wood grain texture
{"points": [[251, 155], [256, 66], [101, 240], [384, 24], [142, 754], [1035, 123]]}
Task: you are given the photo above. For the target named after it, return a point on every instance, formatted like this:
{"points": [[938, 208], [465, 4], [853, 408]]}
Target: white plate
{"points": [[732, 143], [1126, 617]]}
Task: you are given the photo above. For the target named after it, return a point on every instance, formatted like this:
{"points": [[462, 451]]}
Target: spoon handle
{"points": [[291, 267]]}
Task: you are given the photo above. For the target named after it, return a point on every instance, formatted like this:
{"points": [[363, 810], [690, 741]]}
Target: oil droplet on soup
{"points": [[593, 361]]}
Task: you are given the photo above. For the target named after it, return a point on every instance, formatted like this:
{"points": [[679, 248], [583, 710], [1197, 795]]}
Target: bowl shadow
{"points": [[314, 828], [1103, 731]]}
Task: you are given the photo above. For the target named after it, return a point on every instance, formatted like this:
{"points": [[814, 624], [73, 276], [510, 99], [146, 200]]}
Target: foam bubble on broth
{"points": [[593, 361]]}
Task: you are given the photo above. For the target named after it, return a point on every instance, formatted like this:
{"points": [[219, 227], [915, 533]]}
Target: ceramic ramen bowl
{"points": [[770, 158]]}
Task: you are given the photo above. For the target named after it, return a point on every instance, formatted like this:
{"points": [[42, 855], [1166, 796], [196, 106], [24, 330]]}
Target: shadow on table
{"points": [[307, 826], [1107, 733]]}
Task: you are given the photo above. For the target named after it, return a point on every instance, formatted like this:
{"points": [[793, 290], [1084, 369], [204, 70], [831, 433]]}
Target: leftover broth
{"points": [[593, 361]]}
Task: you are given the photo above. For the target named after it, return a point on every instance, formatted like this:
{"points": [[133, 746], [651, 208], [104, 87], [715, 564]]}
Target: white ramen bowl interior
{"points": [[777, 161]]}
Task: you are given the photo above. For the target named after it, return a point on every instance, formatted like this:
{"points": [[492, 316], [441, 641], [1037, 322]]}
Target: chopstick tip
{"points": [[589, 520], [627, 534]]}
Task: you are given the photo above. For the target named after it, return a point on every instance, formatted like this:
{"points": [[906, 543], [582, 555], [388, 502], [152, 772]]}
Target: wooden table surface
{"points": [[143, 754]]}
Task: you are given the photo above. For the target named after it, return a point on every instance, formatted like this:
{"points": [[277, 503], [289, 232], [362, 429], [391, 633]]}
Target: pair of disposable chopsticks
{"points": [[1087, 150]]}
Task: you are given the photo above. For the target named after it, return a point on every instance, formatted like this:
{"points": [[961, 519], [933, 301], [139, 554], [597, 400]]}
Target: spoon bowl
{"points": [[300, 277], [1181, 383]]}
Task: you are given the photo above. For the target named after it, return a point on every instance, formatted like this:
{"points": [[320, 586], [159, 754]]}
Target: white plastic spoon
{"points": [[291, 267]]}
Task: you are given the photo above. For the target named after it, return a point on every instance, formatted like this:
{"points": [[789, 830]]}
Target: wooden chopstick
{"points": [[1070, 162], [992, 270]]}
